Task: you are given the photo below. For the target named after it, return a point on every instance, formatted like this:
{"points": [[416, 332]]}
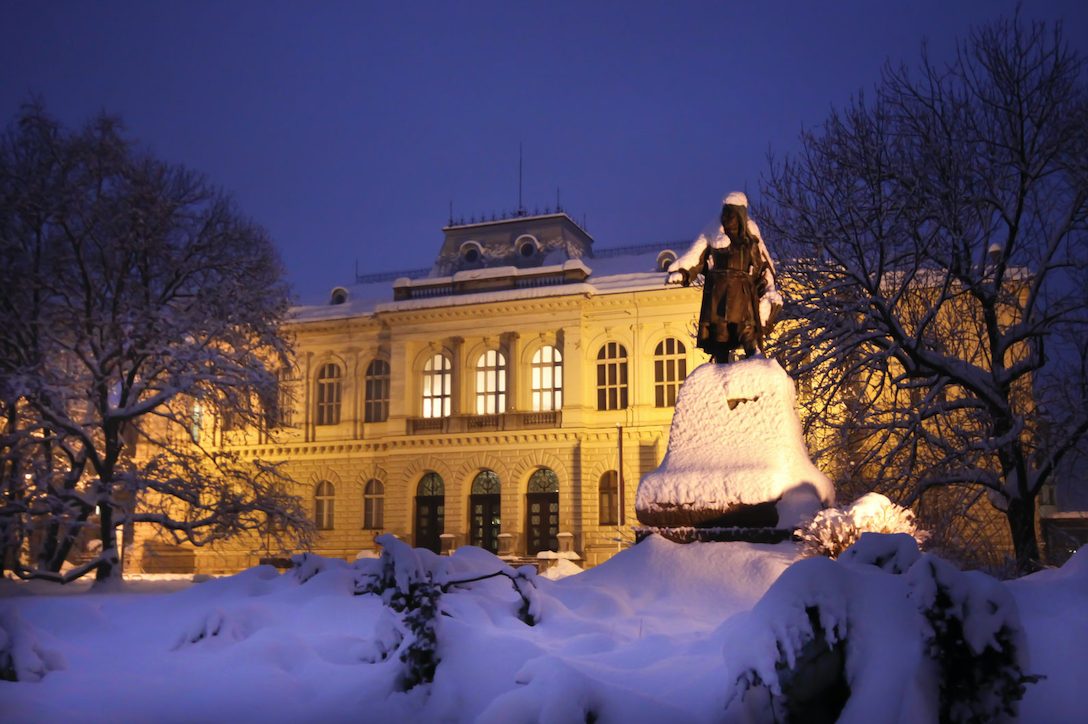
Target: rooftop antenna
{"points": [[521, 209], [558, 206], [451, 213]]}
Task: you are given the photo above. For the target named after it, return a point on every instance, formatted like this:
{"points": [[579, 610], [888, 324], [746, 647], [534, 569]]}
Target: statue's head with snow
{"points": [[740, 300]]}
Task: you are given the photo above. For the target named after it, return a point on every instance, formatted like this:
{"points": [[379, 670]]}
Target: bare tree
{"points": [[135, 302], [936, 250]]}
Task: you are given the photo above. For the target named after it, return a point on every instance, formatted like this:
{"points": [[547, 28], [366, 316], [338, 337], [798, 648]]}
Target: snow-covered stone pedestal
{"points": [[736, 459]]}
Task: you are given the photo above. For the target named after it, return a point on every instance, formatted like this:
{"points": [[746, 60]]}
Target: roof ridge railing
{"points": [[634, 248], [390, 276]]}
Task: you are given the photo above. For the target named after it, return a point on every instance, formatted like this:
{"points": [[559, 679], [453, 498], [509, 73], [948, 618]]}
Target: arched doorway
{"points": [[484, 507], [430, 511], [542, 500]]}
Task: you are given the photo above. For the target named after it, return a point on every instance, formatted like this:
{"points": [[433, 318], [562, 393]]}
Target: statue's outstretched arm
{"points": [[689, 264]]}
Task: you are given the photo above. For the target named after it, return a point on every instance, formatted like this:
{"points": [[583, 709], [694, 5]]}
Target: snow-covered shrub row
{"points": [[832, 531], [849, 640], [412, 581]]}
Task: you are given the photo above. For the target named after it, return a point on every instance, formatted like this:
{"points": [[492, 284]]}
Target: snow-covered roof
{"points": [[610, 271]]}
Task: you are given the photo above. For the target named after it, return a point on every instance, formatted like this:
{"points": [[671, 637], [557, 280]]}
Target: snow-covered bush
{"points": [[406, 585], [305, 566], [214, 625], [830, 532], [890, 552], [975, 640], [852, 641], [412, 581], [22, 657]]}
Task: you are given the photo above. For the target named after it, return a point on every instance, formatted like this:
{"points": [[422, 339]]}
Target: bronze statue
{"points": [[740, 301]]}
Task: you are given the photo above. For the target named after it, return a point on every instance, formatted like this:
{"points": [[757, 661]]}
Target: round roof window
{"points": [[471, 252]]}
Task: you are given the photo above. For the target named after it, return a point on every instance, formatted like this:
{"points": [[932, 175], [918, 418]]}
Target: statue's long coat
{"points": [[737, 273], [733, 284]]}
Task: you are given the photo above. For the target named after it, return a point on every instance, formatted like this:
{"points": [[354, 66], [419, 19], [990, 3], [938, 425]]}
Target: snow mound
{"points": [[23, 657], [562, 569], [735, 441], [660, 632]]}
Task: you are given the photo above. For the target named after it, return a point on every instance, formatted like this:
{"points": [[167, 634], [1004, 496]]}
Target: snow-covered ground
{"points": [[660, 632]]}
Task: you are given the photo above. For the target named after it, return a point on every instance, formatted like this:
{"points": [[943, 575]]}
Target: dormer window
{"points": [[471, 252], [527, 246], [664, 259], [338, 296]]}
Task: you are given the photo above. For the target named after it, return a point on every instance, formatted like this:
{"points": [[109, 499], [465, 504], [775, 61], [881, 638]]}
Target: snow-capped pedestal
{"points": [[736, 456]]}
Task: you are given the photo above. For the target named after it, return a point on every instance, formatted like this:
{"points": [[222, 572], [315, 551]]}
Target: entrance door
{"points": [[430, 512], [485, 515], [542, 506]]}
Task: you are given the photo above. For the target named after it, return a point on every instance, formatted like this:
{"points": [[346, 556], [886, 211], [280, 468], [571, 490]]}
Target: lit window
{"points": [[196, 423], [328, 395], [547, 379], [324, 505], [491, 383], [607, 495], [376, 406], [373, 504], [612, 377], [437, 384], [670, 369]]}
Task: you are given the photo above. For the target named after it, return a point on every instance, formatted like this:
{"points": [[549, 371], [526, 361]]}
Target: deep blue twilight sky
{"points": [[347, 128]]}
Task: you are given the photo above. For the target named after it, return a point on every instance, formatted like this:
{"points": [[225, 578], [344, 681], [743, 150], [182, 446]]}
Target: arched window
{"points": [[373, 505], [607, 497], [324, 505], [431, 484], [376, 403], [544, 481], [485, 507], [670, 369], [486, 483], [547, 379], [430, 511], [328, 395], [612, 377], [228, 421], [542, 506], [437, 384], [491, 383]]}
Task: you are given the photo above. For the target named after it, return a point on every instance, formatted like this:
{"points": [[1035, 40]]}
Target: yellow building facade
{"points": [[508, 397]]}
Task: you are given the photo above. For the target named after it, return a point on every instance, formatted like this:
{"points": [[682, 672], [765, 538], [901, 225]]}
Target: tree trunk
{"points": [[108, 568], [1021, 517]]}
